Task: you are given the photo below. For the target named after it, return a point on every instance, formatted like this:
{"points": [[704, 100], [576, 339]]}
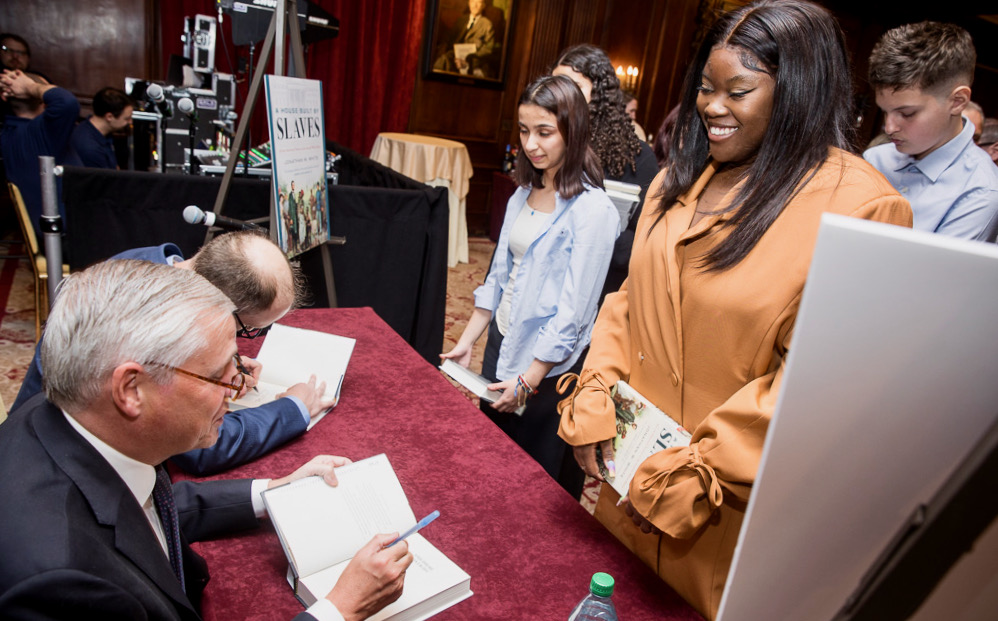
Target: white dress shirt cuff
{"points": [[323, 610], [258, 487]]}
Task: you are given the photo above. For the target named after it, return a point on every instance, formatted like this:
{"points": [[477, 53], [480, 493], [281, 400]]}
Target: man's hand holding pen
{"points": [[251, 369]]}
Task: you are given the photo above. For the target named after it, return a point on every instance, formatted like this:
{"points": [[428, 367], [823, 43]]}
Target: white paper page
{"points": [[290, 355], [462, 50], [322, 525], [430, 573], [264, 393]]}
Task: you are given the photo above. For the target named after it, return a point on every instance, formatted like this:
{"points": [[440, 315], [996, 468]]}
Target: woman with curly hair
{"points": [[623, 156]]}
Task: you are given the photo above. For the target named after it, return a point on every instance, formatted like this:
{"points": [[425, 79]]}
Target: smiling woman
{"points": [[704, 323]]}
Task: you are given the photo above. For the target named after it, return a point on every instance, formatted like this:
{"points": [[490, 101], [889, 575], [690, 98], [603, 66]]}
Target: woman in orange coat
{"points": [[703, 324]]}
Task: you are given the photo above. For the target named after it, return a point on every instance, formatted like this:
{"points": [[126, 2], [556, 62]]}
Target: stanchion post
{"points": [[51, 223]]}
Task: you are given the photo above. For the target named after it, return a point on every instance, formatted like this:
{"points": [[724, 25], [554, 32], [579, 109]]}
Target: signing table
{"points": [[439, 163], [529, 547]]}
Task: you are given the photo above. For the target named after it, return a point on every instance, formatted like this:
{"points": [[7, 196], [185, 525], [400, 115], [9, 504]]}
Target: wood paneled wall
{"points": [[651, 34], [85, 46]]}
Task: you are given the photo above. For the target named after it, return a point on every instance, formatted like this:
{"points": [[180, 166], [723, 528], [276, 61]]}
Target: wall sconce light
{"points": [[628, 77]]}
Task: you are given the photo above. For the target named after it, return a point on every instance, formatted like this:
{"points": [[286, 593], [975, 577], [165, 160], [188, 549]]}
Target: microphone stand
{"points": [[193, 166]]}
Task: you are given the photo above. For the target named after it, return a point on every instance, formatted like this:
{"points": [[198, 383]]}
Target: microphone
{"points": [[156, 95], [195, 215], [186, 106]]}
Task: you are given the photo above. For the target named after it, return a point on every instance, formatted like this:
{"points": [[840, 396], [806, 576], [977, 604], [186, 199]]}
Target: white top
{"points": [[525, 230]]}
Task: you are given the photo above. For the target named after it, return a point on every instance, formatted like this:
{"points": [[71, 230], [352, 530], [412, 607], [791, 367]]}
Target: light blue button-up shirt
{"points": [[558, 283], [953, 190]]}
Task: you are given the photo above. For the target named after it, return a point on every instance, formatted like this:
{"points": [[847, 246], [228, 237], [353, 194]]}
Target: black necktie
{"points": [[162, 494]]}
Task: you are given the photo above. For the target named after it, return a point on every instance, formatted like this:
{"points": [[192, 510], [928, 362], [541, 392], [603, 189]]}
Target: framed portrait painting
{"points": [[467, 41]]}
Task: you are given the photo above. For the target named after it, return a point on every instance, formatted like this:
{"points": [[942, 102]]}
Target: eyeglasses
{"points": [[235, 384], [10, 50], [248, 332]]}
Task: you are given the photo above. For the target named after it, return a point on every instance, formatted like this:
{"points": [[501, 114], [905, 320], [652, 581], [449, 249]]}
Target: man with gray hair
{"points": [[258, 278], [140, 361]]}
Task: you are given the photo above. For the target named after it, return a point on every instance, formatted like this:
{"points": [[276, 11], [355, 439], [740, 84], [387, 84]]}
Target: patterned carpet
{"points": [[17, 322]]}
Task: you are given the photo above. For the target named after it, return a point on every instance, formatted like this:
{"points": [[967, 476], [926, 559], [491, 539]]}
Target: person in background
{"points": [[40, 122], [975, 114], [704, 323], [623, 156], [539, 299], [264, 286], [631, 108], [663, 137], [921, 74], [989, 139], [15, 53], [92, 138], [141, 360]]}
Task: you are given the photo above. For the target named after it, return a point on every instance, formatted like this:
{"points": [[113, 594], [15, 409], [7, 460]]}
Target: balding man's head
{"points": [[254, 273]]}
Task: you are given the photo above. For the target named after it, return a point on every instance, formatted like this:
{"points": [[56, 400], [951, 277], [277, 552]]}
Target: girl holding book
{"points": [[539, 300], [703, 325]]}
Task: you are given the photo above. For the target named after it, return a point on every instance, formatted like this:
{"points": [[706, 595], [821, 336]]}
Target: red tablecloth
{"points": [[529, 547]]}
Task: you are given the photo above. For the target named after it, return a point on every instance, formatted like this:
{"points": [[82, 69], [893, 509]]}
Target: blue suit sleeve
{"points": [[245, 435], [32, 384]]}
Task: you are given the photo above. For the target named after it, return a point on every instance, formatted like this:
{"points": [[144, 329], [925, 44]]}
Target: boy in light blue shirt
{"points": [[922, 75]]}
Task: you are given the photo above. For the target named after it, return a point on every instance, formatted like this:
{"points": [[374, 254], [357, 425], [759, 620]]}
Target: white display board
{"points": [[891, 380], [298, 153]]}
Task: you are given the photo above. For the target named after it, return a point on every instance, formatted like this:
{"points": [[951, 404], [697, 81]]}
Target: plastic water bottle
{"points": [[597, 605]]}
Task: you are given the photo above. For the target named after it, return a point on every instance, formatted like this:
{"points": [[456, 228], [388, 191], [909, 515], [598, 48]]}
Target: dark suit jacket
{"points": [[244, 435], [74, 541]]}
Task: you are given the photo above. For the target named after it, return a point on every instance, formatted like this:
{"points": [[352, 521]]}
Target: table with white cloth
{"points": [[437, 162]]}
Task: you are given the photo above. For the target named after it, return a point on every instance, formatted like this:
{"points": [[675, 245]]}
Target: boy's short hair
{"points": [[925, 55]]}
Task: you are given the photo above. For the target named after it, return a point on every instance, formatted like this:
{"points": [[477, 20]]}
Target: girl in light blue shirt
{"points": [[539, 300]]}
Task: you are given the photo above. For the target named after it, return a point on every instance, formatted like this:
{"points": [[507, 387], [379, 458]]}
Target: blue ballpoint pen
{"points": [[423, 522]]}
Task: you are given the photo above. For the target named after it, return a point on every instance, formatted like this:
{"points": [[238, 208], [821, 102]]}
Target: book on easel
{"points": [[321, 528], [290, 356], [642, 431]]}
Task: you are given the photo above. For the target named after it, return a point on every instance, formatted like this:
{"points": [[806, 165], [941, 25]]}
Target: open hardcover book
{"points": [[642, 430], [322, 527], [290, 356]]}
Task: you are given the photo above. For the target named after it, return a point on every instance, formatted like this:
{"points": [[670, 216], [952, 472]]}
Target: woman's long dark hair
{"points": [[562, 98], [611, 128], [801, 46]]}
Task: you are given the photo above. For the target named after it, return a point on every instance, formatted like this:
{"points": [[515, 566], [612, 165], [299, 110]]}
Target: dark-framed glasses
{"points": [[10, 50], [249, 332], [235, 383]]}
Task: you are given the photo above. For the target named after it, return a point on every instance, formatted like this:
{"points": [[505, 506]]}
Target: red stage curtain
{"points": [[368, 72]]}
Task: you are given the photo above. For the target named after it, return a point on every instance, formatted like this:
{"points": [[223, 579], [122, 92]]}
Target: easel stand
{"points": [[285, 20], [935, 537]]}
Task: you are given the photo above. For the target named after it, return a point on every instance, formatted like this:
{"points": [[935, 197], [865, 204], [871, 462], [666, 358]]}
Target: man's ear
{"points": [[958, 99], [128, 385]]}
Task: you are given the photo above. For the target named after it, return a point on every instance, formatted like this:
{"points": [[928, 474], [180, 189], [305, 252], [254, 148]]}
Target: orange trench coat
{"points": [[709, 350]]}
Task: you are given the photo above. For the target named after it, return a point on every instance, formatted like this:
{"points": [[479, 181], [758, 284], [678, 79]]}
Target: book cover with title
{"points": [[298, 148]]}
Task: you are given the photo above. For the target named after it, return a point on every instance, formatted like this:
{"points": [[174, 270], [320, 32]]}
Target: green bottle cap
{"points": [[601, 584]]}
